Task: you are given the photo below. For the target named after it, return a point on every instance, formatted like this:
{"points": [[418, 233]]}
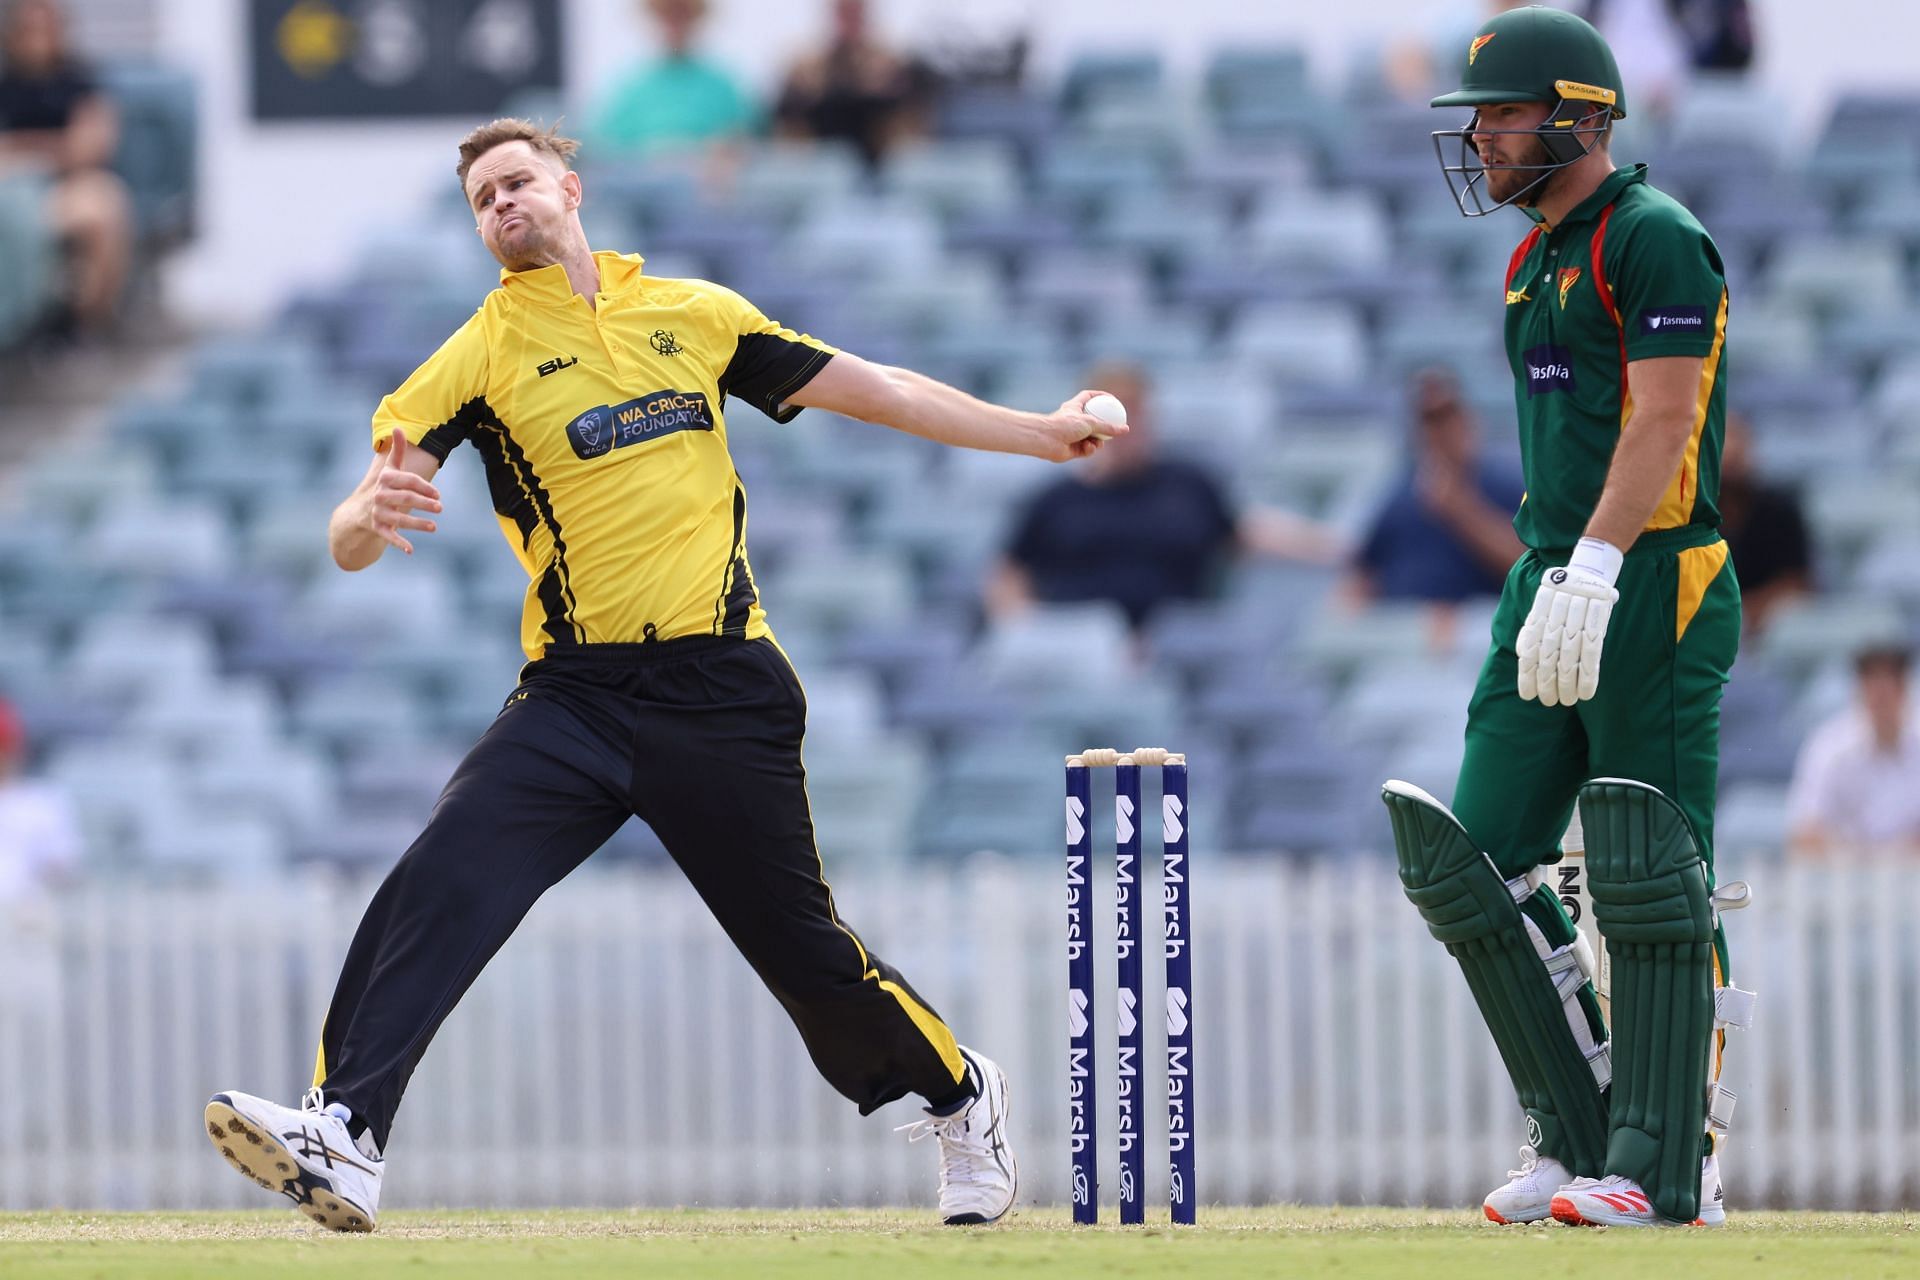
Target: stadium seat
{"points": [[865, 801], [786, 178], [1318, 233], [1806, 633], [1303, 343], [115, 785], [866, 238], [837, 594], [1055, 646], [161, 539], [123, 654], [1093, 77], [189, 719], [291, 786], [1841, 276], [1261, 93], [955, 177]]}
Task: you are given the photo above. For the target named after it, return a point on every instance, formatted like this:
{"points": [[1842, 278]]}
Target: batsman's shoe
{"points": [[1713, 1196], [1529, 1191], [306, 1155], [1619, 1202], [978, 1176]]}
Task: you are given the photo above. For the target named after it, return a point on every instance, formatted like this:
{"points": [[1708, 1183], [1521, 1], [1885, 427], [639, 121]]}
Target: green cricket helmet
{"points": [[1531, 54]]}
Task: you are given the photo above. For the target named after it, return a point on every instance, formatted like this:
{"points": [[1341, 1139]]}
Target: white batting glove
{"points": [[1560, 641]]}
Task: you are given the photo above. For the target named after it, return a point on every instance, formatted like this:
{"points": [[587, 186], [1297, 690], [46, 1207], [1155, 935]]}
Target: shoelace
{"points": [[1529, 1161], [959, 1159], [314, 1101]]}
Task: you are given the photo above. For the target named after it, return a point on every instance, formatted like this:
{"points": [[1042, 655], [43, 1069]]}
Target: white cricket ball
{"points": [[1108, 409]]}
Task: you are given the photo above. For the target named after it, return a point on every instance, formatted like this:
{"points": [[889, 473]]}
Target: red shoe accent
{"points": [[1564, 1211], [1492, 1216]]}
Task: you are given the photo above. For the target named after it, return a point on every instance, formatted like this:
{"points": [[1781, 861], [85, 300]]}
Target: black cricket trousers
{"points": [[700, 737]]}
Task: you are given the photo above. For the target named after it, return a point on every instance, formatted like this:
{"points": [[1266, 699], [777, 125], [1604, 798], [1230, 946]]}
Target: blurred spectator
{"points": [[1135, 527], [854, 89], [1765, 531], [58, 128], [1708, 35], [1445, 533], [1856, 786], [39, 836], [681, 99], [1651, 52]]}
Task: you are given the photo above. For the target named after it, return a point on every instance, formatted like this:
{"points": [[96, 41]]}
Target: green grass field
{"points": [[1350, 1243]]}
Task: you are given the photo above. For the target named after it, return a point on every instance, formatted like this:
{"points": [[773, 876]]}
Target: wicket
{"points": [[1082, 1077]]}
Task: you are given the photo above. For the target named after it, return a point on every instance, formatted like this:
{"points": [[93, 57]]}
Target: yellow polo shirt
{"points": [[605, 446]]}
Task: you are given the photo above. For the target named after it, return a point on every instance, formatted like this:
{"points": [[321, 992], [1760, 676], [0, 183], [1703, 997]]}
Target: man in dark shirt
{"points": [[1765, 528], [1136, 527], [57, 128], [855, 89], [1445, 533]]}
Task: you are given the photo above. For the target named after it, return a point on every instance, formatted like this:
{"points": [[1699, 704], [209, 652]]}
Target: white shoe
{"points": [[1713, 1196], [978, 1176], [1620, 1202], [1529, 1191], [307, 1156]]}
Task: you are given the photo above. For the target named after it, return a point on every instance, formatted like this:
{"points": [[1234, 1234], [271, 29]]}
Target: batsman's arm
{"points": [[1666, 394], [920, 406]]}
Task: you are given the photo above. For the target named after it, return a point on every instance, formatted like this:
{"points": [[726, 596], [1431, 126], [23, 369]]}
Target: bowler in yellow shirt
{"points": [[595, 396]]}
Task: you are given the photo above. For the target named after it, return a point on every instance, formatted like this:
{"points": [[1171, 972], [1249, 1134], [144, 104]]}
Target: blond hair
{"points": [[544, 139]]}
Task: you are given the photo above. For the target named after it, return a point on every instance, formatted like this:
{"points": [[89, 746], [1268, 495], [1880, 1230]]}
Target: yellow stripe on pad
{"points": [[320, 1061], [1699, 566], [932, 1028]]}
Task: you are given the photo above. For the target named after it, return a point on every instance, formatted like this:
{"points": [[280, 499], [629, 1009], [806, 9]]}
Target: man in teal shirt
{"points": [[680, 100]]}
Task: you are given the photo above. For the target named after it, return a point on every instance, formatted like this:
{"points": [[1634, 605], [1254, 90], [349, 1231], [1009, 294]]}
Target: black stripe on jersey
{"points": [[737, 593], [767, 368], [518, 495]]}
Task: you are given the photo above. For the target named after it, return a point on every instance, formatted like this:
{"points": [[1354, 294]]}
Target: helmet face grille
{"points": [[1565, 133]]}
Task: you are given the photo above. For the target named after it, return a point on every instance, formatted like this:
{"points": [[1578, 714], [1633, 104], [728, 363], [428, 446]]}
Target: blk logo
{"points": [[556, 364]]}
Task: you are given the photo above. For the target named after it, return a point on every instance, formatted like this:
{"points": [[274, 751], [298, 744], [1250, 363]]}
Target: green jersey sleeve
{"points": [[1667, 282]]}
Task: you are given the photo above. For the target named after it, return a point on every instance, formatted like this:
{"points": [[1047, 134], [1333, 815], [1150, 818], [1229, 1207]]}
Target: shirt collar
{"points": [[1605, 194], [549, 286]]}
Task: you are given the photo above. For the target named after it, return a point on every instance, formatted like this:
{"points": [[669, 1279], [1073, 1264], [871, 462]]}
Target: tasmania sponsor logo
{"points": [[1549, 369], [1673, 320]]}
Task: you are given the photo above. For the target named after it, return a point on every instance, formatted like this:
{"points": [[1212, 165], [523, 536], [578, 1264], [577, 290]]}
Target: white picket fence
{"points": [[618, 1052]]}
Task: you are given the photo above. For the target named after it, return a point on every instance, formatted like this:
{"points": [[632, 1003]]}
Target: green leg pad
{"points": [[1652, 902], [1469, 908]]}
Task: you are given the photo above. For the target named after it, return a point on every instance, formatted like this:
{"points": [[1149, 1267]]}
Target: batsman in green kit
{"points": [[1614, 636]]}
